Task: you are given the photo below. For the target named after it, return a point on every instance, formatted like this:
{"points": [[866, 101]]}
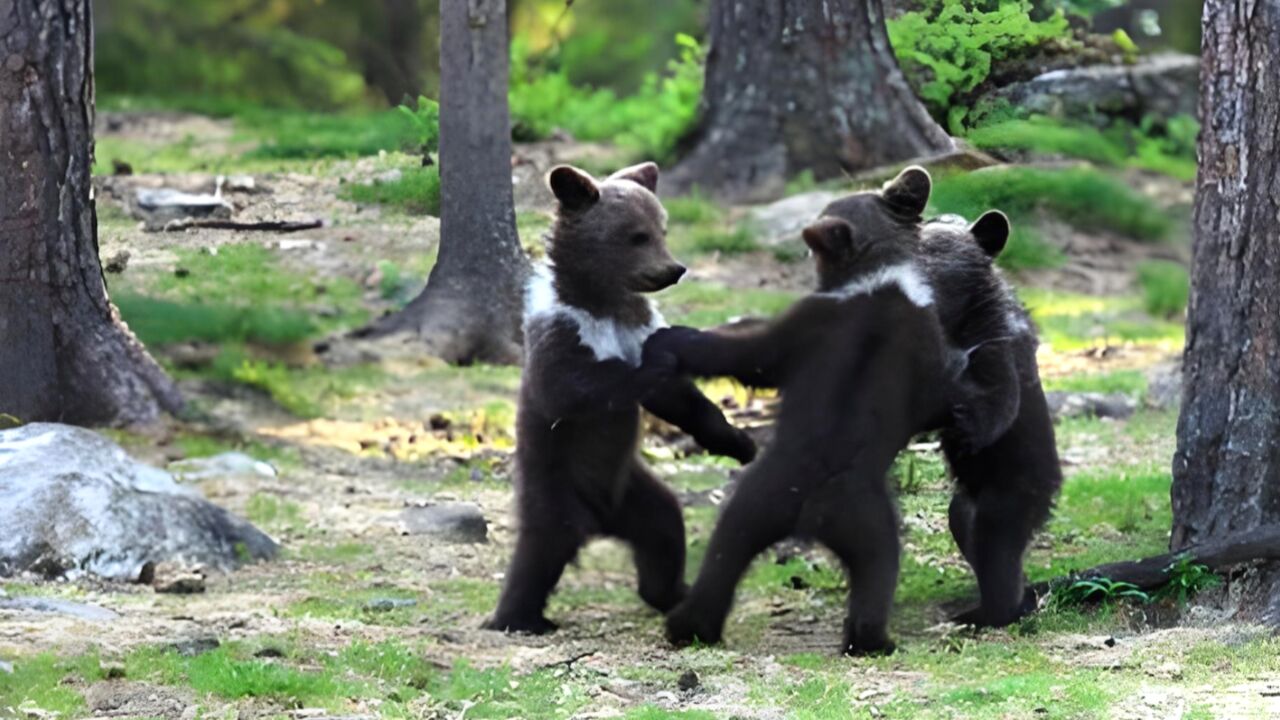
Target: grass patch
{"points": [[1128, 382], [708, 304], [307, 392], [43, 685], [1084, 197], [415, 191], [708, 239], [1068, 321], [1169, 150], [165, 322], [692, 209], [1165, 288]]}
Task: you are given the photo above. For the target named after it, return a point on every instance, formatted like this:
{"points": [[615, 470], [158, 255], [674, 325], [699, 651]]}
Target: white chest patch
{"points": [[606, 338], [906, 277]]}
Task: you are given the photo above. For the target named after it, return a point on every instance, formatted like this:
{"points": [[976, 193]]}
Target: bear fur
{"points": [[1007, 472], [863, 366], [578, 424]]}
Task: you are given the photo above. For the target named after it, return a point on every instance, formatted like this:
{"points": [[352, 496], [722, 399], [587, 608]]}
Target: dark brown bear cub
{"points": [[578, 473], [863, 366], [1007, 472]]}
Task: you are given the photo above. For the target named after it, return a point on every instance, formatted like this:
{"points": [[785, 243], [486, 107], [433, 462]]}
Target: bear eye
{"points": [[640, 239]]}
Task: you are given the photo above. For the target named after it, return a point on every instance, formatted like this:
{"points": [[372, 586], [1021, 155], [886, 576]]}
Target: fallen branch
{"points": [[278, 226], [1262, 543]]}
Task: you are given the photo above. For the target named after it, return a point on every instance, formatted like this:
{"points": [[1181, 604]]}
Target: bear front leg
{"points": [[752, 357], [985, 398], [680, 403]]}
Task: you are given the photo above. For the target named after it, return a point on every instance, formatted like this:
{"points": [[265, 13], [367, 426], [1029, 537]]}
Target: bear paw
{"points": [[685, 626], [531, 626]]}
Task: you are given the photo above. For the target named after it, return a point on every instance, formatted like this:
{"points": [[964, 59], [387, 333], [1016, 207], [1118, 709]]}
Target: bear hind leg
{"points": [[999, 532], [653, 525]]}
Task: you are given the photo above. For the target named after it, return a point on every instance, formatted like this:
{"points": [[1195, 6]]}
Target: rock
{"points": [[1116, 406], [688, 680], [224, 465], [56, 606], [124, 699], [73, 502], [113, 670], [117, 263], [161, 205], [1164, 386], [196, 646], [269, 652], [184, 584], [1162, 85], [6, 667], [389, 604], [782, 221], [449, 522]]}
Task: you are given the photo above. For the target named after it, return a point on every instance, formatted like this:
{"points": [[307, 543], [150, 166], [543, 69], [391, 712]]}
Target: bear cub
{"points": [[578, 423], [1007, 473], [863, 366]]}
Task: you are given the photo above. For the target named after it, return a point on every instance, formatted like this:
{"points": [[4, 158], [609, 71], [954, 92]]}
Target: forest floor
{"points": [[360, 618]]}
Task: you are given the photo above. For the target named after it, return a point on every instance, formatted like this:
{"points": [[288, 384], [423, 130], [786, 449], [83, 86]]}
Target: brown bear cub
{"points": [[863, 365], [1006, 466], [578, 472]]}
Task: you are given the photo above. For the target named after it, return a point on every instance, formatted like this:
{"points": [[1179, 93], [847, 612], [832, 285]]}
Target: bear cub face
{"points": [[609, 238]]}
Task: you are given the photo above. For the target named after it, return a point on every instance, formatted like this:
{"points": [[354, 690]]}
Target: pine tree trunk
{"points": [[1226, 473], [795, 85], [471, 308], [64, 354]]}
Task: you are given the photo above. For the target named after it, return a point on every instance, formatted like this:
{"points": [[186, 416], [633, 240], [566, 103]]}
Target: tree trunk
{"points": [[471, 308], [64, 354], [795, 85], [1226, 472]]}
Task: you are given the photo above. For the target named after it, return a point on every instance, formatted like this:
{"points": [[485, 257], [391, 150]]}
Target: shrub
{"points": [[947, 48], [1165, 287], [649, 123]]}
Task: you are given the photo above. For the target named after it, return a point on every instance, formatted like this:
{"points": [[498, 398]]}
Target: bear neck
{"points": [[603, 299]]}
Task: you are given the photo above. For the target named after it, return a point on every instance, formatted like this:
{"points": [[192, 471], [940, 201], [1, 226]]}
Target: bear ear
{"points": [[829, 237], [645, 173], [991, 231], [575, 189], [909, 192]]}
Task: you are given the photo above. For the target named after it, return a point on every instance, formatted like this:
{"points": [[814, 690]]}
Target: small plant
{"points": [[425, 123], [1186, 579], [1098, 590], [1165, 288]]}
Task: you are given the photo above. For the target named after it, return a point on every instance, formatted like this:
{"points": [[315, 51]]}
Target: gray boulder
{"points": [[781, 221], [1114, 406], [72, 502], [453, 522], [1161, 85]]}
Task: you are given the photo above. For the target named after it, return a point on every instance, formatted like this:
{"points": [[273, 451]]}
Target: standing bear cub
{"points": [[578, 425], [863, 365]]}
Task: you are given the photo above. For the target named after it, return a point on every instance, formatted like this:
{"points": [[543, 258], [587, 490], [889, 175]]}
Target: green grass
{"points": [[45, 682], [307, 392], [238, 294], [1128, 382], [1069, 321], [1121, 145], [416, 191], [709, 239], [1086, 198], [269, 511], [1165, 287], [692, 209], [708, 304]]}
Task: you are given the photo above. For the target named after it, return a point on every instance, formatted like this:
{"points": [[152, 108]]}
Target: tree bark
{"points": [[795, 85], [471, 308], [64, 354], [1220, 555], [1226, 472]]}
